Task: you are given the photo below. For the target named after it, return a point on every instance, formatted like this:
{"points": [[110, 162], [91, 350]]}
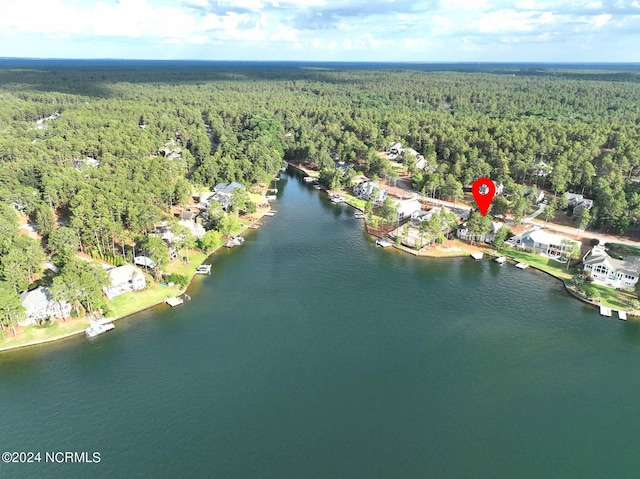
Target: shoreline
{"points": [[85, 324], [466, 252]]}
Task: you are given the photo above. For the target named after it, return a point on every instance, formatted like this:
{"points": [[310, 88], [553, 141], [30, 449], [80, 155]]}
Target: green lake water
{"points": [[311, 353]]}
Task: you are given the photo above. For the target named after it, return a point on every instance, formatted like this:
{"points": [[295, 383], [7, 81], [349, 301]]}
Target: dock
{"points": [[383, 243], [270, 197], [477, 256], [605, 311], [203, 269], [501, 260], [309, 179], [622, 315], [174, 301], [522, 265], [359, 216], [270, 213], [97, 329], [317, 187]]}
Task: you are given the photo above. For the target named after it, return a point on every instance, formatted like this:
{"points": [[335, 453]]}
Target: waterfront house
{"points": [[145, 261], [370, 191], [549, 244], [124, 279], [40, 305], [464, 234], [223, 192], [578, 203], [407, 208], [616, 273], [422, 216]]}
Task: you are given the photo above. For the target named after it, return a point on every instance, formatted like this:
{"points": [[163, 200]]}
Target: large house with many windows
{"points": [[616, 273]]}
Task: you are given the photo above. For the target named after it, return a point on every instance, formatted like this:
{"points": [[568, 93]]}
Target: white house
{"points": [[542, 169], [612, 272], [407, 208], [124, 279], [370, 190], [549, 244], [40, 305]]}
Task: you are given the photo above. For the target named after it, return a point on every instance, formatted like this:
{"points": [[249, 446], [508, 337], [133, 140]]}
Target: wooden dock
{"points": [[174, 301], [622, 315], [522, 265], [501, 260], [383, 243], [477, 256], [605, 311]]}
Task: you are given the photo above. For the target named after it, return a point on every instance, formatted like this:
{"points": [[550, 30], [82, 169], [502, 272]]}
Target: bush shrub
{"points": [[179, 279]]}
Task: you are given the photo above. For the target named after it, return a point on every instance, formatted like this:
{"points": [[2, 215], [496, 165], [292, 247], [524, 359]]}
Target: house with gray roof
{"points": [[223, 191], [549, 244], [612, 272], [578, 203], [40, 305]]}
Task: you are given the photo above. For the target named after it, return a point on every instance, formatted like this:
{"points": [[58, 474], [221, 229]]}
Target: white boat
{"points": [[271, 197], [501, 260], [97, 329], [359, 216], [283, 169], [317, 187], [203, 269], [522, 266], [309, 179], [383, 243]]}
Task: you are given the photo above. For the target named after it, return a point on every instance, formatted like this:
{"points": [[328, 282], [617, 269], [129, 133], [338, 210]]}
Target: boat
{"points": [[477, 256], [271, 197], [522, 265], [383, 243], [97, 328], [317, 187], [270, 213], [309, 179], [283, 169], [359, 216], [501, 260], [235, 241], [203, 269], [277, 178]]}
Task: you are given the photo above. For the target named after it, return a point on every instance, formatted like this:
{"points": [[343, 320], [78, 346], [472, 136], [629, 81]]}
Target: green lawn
{"points": [[610, 297], [551, 266], [195, 259], [129, 303], [355, 201], [35, 334]]}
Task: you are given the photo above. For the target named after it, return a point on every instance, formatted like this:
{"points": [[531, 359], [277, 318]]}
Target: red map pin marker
{"points": [[483, 191]]}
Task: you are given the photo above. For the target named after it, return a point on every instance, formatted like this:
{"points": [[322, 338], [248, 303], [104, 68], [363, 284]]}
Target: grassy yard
{"points": [[131, 302], [610, 297], [551, 266], [355, 201], [35, 334], [195, 259]]}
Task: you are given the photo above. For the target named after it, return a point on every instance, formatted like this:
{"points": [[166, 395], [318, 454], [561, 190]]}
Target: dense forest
{"points": [[238, 122]]}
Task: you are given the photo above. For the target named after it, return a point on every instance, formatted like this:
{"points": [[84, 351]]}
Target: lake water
{"points": [[310, 352]]}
